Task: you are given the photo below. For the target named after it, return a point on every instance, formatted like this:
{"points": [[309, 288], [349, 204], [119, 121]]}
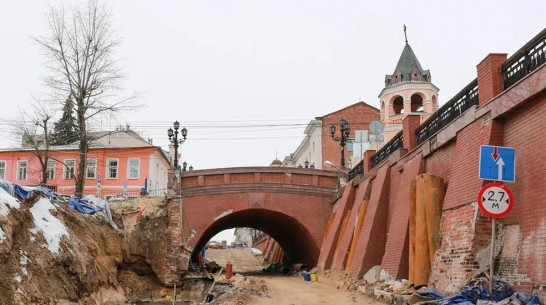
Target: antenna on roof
{"points": [[405, 35]]}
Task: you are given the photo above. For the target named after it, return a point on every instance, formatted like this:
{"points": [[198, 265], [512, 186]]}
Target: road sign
{"points": [[125, 184], [497, 163], [376, 127], [495, 200], [377, 138], [99, 179]]}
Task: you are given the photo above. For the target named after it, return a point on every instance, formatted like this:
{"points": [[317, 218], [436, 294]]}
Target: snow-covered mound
{"points": [[52, 229]]}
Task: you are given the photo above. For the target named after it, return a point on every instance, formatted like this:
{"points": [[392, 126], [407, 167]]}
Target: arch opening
{"points": [[295, 240], [398, 105], [416, 103]]}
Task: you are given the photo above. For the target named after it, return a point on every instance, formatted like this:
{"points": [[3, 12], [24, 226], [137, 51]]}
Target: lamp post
{"points": [[173, 138], [345, 130]]}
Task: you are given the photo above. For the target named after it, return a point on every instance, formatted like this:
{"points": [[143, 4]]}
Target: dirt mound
{"points": [[146, 239], [51, 252]]}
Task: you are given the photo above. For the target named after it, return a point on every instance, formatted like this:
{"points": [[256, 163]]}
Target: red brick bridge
{"points": [[292, 205]]}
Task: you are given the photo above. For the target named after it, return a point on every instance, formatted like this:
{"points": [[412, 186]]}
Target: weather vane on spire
{"points": [[406, 35]]}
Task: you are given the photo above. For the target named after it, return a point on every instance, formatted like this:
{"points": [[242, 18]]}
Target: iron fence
{"points": [[463, 100], [525, 60], [385, 151], [358, 169]]}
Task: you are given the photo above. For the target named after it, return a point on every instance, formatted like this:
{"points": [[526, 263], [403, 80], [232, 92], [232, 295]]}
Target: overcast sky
{"points": [[270, 66]]}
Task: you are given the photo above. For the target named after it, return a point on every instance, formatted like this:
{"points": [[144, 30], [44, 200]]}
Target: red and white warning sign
{"points": [[495, 200]]}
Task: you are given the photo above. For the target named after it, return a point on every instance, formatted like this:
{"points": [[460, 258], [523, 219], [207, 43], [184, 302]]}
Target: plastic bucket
{"points": [[307, 276], [313, 277]]}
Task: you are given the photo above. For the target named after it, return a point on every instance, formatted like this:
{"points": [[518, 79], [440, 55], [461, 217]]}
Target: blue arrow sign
{"points": [[497, 163], [99, 179]]}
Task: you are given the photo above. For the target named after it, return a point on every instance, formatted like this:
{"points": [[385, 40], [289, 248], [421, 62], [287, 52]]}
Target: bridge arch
{"points": [[292, 205], [292, 236]]}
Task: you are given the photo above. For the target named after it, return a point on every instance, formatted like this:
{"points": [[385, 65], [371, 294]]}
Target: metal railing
{"points": [[356, 170], [391, 146], [119, 194], [463, 100], [525, 60]]}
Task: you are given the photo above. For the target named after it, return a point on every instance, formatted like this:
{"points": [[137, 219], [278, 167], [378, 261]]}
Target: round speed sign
{"points": [[495, 200]]}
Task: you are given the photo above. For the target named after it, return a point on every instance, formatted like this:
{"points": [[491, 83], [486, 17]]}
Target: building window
{"points": [[2, 169], [133, 168], [22, 170], [69, 167], [50, 170], [112, 168], [91, 171]]}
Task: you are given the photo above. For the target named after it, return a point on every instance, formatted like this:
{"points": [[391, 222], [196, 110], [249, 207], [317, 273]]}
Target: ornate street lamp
{"points": [[173, 138], [345, 131]]}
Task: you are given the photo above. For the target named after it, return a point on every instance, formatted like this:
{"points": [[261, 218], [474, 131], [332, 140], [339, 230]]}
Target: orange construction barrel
{"points": [[229, 270]]}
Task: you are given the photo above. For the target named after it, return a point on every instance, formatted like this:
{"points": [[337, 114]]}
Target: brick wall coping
{"points": [[264, 169], [498, 54]]}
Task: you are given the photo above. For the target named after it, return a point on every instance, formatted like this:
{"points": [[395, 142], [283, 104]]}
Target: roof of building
{"points": [[276, 162], [408, 61], [118, 139], [345, 108], [406, 64]]}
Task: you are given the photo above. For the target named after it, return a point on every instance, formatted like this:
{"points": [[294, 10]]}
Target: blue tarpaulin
{"points": [[431, 294], [478, 290], [25, 192], [82, 205]]}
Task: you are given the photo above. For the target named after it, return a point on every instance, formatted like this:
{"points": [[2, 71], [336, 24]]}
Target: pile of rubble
{"points": [[237, 290], [474, 292]]}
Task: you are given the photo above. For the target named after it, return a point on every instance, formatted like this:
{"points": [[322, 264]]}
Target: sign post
{"points": [[99, 186], [125, 191], [495, 200]]}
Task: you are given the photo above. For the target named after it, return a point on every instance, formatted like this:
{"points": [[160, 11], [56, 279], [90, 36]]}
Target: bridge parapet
{"points": [[275, 179]]}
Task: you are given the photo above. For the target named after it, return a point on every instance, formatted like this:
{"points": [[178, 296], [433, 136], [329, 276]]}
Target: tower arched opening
{"points": [[416, 103], [398, 105]]}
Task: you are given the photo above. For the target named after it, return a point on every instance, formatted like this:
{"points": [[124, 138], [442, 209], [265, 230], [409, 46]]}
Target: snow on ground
{"points": [[7, 201], [2, 235], [52, 229], [23, 261]]}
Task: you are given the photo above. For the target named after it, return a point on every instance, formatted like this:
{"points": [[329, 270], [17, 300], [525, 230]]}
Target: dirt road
{"points": [[286, 290], [242, 259]]}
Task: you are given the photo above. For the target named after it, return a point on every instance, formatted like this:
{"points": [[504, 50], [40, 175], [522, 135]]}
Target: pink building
{"points": [[120, 160]]}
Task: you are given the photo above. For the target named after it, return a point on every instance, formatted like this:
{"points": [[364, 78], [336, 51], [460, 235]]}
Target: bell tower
{"points": [[408, 91]]}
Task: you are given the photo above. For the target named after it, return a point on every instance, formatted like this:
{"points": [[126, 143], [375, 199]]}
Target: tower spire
{"points": [[405, 35]]}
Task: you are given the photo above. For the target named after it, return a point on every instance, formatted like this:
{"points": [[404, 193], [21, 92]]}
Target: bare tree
{"points": [[80, 49], [35, 134]]}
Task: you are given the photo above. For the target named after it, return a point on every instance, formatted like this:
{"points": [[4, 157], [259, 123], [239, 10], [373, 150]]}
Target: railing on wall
{"points": [[356, 170], [385, 151], [525, 60], [465, 99]]}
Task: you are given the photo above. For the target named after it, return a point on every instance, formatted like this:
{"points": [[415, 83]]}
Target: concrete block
{"points": [[372, 275]]}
